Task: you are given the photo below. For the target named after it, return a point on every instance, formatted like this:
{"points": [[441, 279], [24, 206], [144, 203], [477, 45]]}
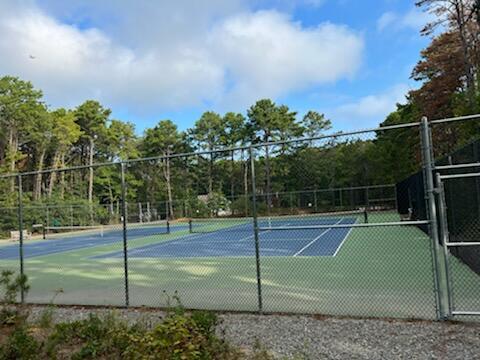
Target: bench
{"points": [[15, 235]]}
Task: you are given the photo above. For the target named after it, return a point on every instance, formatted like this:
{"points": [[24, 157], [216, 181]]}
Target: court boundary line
{"points": [[343, 241], [314, 240]]}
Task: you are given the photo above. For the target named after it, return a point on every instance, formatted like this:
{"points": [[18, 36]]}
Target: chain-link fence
{"points": [[327, 225]]}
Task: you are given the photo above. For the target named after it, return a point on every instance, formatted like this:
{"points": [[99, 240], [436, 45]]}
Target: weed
{"points": [[20, 345]]}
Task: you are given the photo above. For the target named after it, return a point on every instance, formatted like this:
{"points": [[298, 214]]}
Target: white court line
{"points": [[261, 232], [345, 238], [314, 240]]}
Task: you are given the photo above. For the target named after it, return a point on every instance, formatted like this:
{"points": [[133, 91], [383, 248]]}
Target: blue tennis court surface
{"points": [[214, 239], [238, 240], [72, 241]]}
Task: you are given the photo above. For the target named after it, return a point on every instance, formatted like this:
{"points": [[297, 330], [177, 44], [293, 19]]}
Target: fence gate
{"points": [[458, 199]]}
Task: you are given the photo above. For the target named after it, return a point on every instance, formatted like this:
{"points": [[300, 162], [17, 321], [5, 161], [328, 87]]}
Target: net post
{"points": [[428, 168], [190, 227], [168, 226], [20, 236], [255, 231], [124, 231], [44, 231], [365, 216]]}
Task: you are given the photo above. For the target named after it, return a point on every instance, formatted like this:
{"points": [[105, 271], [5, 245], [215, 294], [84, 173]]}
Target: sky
{"points": [[174, 59]]}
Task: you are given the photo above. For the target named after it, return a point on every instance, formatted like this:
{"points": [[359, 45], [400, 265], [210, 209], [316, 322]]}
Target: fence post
{"points": [[20, 235], [430, 191], [124, 225], [255, 231], [443, 223]]}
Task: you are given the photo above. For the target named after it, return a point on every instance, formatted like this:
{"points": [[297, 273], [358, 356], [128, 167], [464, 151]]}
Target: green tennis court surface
{"points": [[379, 271]]}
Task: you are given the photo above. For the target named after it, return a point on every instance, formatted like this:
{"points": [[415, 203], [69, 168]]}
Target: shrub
{"points": [[20, 345], [10, 287]]}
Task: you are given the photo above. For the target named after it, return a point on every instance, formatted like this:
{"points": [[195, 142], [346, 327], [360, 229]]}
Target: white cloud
{"points": [[177, 56], [413, 19], [416, 19], [269, 55], [386, 20], [72, 64], [370, 109]]}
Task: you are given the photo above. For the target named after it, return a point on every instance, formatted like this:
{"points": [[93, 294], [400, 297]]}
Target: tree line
{"points": [[34, 137]]}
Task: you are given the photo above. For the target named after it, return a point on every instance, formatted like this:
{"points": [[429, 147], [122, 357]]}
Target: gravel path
{"points": [[306, 337]]}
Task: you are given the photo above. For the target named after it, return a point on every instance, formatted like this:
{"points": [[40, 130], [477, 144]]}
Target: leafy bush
{"points": [[10, 287], [20, 345], [178, 336]]}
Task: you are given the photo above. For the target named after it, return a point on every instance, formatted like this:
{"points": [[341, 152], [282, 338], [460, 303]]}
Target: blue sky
{"points": [[152, 60]]}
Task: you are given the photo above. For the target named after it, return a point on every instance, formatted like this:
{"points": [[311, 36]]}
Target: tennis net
{"points": [[116, 230], [209, 225]]}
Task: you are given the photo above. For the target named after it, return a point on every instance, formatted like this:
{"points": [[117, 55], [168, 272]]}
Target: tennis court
{"points": [[205, 238], [234, 237], [210, 264], [63, 239]]}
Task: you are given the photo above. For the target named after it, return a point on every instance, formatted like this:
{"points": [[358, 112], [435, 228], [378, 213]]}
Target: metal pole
{"points": [[396, 197], [20, 236], [315, 200], [255, 231], [367, 199], [442, 209], [430, 191], [124, 223]]}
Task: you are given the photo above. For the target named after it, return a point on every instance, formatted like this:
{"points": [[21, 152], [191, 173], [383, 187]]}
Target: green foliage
{"points": [[20, 345], [179, 336], [197, 208], [241, 206], [206, 321], [11, 287], [217, 202]]}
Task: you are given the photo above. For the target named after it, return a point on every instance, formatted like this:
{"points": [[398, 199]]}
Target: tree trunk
{"points": [[37, 189], [469, 73], [210, 174], [166, 173], [62, 177], [53, 174], [12, 153], [232, 178], [90, 178], [268, 189], [245, 182], [477, 11]]}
